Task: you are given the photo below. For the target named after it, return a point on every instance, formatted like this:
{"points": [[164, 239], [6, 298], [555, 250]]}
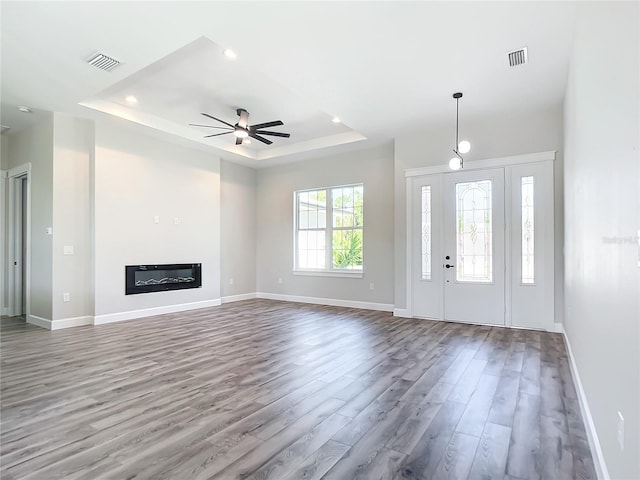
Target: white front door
{"points": [[479, 255], [473, 258], [457, 248]]}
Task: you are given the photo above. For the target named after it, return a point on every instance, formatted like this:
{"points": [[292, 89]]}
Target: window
{"points": [[328, 229], [473, 232], [426, 232], [527, 230]]}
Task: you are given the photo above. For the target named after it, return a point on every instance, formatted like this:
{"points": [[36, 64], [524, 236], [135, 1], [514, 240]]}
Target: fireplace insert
{"points": [[159, 278]]}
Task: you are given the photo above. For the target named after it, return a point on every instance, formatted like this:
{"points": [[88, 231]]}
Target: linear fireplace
{"points": [[159, 278]]}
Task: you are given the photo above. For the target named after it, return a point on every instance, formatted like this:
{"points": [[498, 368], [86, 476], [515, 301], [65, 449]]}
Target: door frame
{"points": [[14, 277], [469, 165]]}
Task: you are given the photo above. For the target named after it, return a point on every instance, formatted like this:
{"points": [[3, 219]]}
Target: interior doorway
{"points": [[19, 228]]}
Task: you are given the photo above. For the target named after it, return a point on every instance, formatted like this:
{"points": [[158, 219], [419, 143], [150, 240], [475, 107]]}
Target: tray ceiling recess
{"points": [[199, 78]]}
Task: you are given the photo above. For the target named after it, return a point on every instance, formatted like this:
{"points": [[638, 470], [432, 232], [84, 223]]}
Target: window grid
{"points": [[426, 232], [528, 233], [311, 235], [329, 229]]}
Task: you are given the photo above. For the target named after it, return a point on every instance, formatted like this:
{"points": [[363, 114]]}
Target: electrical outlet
{"points": [[372, 286], [66, 297], [231, 281], [156, 219], [621, 431], [176, 221], [280, 281]]}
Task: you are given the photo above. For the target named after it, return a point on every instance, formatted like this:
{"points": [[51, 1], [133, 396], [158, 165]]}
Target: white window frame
{"points": [[328, 271]]}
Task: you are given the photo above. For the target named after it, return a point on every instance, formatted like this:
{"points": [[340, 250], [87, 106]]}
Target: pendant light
{"points": [[457, 162]]}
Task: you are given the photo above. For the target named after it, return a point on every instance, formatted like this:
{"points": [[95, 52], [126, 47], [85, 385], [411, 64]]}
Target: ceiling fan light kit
{"points": [[464, 146], [242, 129]]}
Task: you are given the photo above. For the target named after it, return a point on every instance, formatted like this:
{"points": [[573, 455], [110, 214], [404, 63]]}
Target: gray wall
{"points": [[4, 201], [73, 141], [490, 138], [602, 172], [137, 177], [238, 234], [35, 144], [373, 168]]}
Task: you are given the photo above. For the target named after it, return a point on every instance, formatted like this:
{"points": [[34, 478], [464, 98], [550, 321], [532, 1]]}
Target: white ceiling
{"points": [[385, 68]]}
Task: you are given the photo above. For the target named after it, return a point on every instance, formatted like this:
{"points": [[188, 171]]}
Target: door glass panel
{"points": [[473, 232], [527, 230], [426, 232]]}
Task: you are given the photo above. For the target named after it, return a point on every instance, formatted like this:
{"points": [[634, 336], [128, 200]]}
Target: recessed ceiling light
{"points": [[131, 99], [336, 120], [229, 54], [24, 109]]}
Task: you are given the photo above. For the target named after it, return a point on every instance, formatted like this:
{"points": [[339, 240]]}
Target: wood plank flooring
{"points": [[273, 390]]}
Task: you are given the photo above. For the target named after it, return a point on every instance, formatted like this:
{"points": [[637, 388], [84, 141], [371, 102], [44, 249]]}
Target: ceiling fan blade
{"points": [[217, 119], [238, 141], [258, 126], [216, 134], [275, 134], [208, 126], [244, 117], [259, 138]]}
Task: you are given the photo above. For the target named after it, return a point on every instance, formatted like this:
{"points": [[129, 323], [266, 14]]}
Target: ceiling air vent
{"points": [[518, 57], [104, 62]]}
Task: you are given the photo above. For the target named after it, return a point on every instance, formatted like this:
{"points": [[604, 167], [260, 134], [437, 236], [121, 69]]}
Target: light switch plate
{"points": [[67, 250]]}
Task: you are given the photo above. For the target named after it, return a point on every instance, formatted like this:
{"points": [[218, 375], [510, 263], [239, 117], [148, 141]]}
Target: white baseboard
{"points": [[39, 321], [149, 312], [557, 328], [239, 297], [402, 312], [71, 322], [590, 427], [334, 302]]}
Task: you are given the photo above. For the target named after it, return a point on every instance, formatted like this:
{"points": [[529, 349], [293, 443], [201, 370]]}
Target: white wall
{"points": [[137, 177], [373, 168], [238, 214], [602, 188], [490, 138], [73, 151], [35, 145]]}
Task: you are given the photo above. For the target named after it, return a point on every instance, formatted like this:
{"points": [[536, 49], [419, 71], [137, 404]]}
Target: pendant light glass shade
{"points": [[464, 146], [455, 163]]}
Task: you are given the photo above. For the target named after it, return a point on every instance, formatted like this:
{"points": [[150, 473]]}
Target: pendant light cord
{"points": [[456, 147]]}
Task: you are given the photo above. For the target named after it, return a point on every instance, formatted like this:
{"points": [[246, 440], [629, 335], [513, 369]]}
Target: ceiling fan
{"points": [[242, 129]]}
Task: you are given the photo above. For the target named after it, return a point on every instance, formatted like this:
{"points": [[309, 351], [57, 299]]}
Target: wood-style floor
{"points": [[273, 390]]}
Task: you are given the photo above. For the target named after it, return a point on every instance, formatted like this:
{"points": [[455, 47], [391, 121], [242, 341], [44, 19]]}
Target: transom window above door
{"points": [[328, 231]]}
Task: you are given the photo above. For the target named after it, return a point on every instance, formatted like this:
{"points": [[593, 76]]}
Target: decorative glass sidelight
{"points": [[474, 240], [426, 232], [527, 231]]}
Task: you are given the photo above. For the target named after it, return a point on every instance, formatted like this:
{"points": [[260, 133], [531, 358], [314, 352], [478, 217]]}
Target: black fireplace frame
{"points": [[132, 289]]}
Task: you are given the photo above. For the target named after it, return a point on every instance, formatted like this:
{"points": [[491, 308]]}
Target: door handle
{"points": [[449, 266]]}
